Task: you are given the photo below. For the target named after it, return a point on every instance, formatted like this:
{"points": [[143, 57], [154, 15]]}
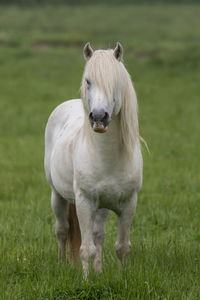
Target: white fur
{"points": [[97, 172]]}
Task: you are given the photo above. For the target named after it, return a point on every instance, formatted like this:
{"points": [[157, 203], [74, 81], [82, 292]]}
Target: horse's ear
{"points": [[118, 51], [87, 51]]}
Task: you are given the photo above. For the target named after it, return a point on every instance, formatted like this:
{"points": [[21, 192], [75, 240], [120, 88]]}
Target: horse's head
{"points": [[101, 85]]}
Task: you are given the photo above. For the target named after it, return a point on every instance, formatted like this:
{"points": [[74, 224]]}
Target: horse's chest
{"points": [[109, 191], [113, 193]]}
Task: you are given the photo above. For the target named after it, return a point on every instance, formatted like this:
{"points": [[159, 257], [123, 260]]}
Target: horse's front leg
{"points": [[86, 214], [123, 244], [98, 235]]}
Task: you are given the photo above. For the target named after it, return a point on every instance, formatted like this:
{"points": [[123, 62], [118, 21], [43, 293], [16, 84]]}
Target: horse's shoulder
{"points": [[66, 108], [63, 113], [66, 117]]}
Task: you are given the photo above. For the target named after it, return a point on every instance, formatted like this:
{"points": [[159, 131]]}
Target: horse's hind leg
{"points": [[59, 206], [123, 244], [98, 235]]}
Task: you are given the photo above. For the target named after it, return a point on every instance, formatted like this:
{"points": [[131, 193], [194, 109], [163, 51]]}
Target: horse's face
{"points": [[100, 109]]}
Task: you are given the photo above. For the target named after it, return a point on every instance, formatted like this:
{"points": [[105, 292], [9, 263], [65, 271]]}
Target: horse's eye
{"points": [[88, 82]]}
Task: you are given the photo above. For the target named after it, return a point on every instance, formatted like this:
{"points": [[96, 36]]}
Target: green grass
{"points": [[41, 65]]}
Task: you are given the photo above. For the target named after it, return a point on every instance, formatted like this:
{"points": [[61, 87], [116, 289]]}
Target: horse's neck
{"points": [[106, 146]]}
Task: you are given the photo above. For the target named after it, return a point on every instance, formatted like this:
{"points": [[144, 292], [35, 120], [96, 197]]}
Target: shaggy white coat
{"points": [[97, 172]]}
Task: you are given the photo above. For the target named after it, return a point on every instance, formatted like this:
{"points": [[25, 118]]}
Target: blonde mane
{"points": [[110, 76]]}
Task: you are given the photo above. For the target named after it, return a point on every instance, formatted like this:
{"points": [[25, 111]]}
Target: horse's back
{"points": [[65, 120]]}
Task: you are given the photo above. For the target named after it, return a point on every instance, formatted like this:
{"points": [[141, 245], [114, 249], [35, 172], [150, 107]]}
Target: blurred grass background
{"points": [[41, 65]]}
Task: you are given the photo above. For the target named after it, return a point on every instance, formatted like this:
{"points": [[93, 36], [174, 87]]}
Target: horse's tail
{"points": [[74, 234]]}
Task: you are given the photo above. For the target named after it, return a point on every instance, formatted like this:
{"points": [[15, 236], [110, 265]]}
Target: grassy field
{"points": [[41, 65]]}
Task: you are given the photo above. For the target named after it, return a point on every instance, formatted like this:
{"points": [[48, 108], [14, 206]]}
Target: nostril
{"points": [[98, 116], [105, 118], [91, 118]]}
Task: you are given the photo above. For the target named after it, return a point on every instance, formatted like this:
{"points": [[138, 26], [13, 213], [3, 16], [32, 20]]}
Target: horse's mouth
{"points": [[99, 127]]}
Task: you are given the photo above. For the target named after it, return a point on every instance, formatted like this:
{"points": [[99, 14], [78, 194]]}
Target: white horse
{"points": [[93, 160]]}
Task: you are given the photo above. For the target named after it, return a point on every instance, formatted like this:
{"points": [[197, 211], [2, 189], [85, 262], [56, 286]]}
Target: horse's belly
{"points": [[62, 170]]}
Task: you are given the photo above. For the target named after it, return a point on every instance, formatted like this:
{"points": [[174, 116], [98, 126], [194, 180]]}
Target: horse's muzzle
{"points": [[99, 120]]}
